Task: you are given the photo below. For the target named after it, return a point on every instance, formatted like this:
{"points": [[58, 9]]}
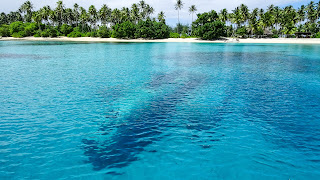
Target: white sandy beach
{"points": [[187, 40]]}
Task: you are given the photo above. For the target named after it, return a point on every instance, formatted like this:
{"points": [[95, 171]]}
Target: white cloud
{"points": [[160, 5]]}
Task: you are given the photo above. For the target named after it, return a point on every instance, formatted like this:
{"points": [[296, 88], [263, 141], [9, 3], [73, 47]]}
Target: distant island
{"points": [[139, 22]]}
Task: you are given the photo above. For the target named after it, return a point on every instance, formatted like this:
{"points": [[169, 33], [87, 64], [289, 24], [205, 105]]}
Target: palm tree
{"points": [[161, 16], [294, 15], [93, 15], [149, 10], [178, 6], [59, 12], [14, 16], [224, 15], [244, 13], [142, 4], [301, 13], [318, 10], [125, 14], [10, 17], [116, 16], [135, 16], [277, 16], [271, 9], [236, 16], [53, 17], [289, 19], [27, 8], [37, 18], [76, 13], [45, 12], [142, 7], [311, 12], [3, 18], [266, 21], [253, 21], [84, 18], [192, 10], [104, 14], [68, 16], [261, 13]]}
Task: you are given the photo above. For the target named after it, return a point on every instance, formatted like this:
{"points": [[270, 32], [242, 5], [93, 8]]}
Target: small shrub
{"points": [[94, 34], [36, 35], [174, 35], [275, 36], [112, 34], [145, 29], [258, 31], [30, 29], [65, 29], [59, 33], [88, 34], [162, 31], [52, 32], [91, 34], [4, 31], [317, 35], [103, 32], [241, 31], [44, 34], [20, 34], [184, 35], [229, 31], [75, 34], [124, 30], [16, 27]]}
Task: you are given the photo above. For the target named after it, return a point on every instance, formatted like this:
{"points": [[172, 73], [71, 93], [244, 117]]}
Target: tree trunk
{"points": [[191, 22], [178, 23]]}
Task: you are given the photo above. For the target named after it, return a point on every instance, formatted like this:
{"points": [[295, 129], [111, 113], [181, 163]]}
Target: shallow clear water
{"points": [[159, 111]]}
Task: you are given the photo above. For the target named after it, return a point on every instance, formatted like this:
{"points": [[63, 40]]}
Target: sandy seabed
{"points": [[187, 40]]}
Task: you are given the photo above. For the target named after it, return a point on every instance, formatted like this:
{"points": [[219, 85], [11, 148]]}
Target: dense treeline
{"points": [[136, 22], [278, 21], [274, 21]]}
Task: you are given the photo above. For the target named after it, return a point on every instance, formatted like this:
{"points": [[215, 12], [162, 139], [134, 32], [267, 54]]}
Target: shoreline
{"points": [[174, 40]]}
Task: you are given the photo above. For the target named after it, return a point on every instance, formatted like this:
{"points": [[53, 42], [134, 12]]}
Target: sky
{"points": [[159, 5]]}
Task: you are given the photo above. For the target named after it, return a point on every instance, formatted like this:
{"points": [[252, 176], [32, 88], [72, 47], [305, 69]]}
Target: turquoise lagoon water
{"points": [[159, 111]]}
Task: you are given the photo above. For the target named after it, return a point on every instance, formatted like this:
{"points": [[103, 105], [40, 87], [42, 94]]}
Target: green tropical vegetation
{"points": [[208, 26], [274, 21], [271, 22], [134, 22], [138, 22]]}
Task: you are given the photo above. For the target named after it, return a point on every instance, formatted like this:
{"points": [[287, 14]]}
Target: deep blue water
{"points": [[159, 111]]}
